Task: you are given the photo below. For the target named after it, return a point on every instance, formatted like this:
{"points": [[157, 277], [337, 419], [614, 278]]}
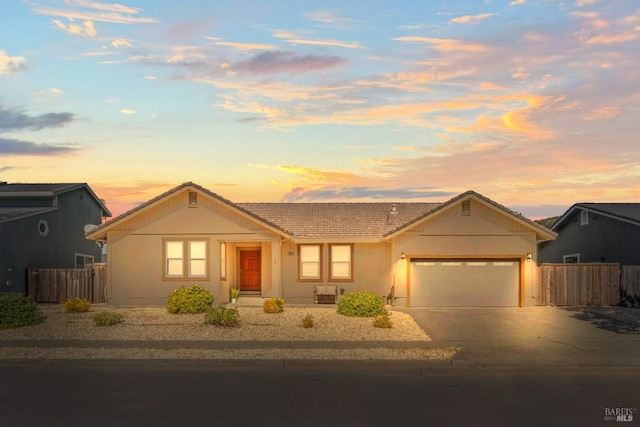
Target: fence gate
{"points": [[60, 284], [579, 284]]}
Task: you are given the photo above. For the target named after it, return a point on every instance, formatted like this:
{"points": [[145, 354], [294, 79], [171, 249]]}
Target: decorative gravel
{"points": [[156, 324]]}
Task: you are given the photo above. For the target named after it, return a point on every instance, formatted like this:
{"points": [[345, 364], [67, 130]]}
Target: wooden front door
{"points": [[250, 270]]}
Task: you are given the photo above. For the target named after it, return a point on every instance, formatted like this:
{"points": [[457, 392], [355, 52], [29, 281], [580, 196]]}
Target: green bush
{"points": [[107, 318], [273, 305], [191, 300], [382, 321], [77, 305], [361, 304], [307, 321], [17, 310], [221, 316]]}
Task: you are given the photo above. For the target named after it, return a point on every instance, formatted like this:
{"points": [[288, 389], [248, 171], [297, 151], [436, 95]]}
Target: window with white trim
{"points": [[84, 261], [340, 262], [310, 262], [185, 259], [571, 259]]}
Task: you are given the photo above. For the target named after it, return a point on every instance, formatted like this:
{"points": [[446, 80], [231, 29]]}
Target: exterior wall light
{"points": [[402, 256], [529, 256]]}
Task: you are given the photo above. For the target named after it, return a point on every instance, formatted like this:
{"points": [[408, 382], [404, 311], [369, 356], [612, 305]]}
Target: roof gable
{"points": [[99, 233], [20, 195], [542, 232], [625, 212]]}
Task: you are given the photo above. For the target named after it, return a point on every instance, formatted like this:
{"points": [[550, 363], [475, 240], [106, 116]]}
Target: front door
{"points": [[250, 270]]}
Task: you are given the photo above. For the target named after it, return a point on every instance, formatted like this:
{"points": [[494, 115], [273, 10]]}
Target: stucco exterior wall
{"points": [[135, 255], [371, 271], [485, 233]]}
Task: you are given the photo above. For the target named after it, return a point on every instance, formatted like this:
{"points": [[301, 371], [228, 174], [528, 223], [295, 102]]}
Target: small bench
{"points": [[325, 294]]}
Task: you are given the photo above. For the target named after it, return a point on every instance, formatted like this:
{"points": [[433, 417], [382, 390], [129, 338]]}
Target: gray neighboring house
{"points": [[595, 232], [43, 226]]}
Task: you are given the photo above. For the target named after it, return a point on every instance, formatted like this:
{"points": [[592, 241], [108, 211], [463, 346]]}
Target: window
{"points": [[571, 259], [43, 227], [584, 217], [84, 261], [310, 262], [185, 259], [341, 262], [223, 261]]}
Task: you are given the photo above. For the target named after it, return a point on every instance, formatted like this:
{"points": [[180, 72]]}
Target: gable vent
{"points": [[193, 198], [466, 207]]}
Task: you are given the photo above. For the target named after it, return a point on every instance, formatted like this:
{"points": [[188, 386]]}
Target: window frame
{"points": [[317, 278], [223, 260], [84, 257], [565, 258], [332, 278], [186, 259], [584, 217]]}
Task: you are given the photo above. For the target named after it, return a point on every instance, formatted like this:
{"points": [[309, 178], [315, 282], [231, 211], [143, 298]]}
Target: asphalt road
{"points": [[176, 393]]}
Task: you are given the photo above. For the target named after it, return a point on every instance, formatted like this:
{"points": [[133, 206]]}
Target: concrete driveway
{"points": [[548, 336]]}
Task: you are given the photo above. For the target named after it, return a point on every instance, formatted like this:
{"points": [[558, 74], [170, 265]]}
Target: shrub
{"points": [[273, 305], [221, 316], [191, 300], [107, 318], [17, 310], [382, 321], [307, 321], [361, 304], [77, 305]]}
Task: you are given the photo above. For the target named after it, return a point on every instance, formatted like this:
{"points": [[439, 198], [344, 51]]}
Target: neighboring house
{"points": [[43, 226], [469, 251], [595, 232]]}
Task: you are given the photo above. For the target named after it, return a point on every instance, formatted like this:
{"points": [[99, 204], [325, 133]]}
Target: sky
{"points": [[533, 104]]}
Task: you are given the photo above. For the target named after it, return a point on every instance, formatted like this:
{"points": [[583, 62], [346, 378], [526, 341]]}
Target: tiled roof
{"points": [[320, 221], [338, 220]]}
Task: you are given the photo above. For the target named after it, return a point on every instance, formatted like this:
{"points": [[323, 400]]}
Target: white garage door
{"points": [[464, 283]]}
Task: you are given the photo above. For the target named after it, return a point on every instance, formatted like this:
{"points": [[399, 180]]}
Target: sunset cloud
{"points": [[246, 46], [87, 29], [470, 18], [15, 119], [445, 44], [277, 62], [121, 42], [127, 111], [92, 11], [11, 64], [16, 147]]}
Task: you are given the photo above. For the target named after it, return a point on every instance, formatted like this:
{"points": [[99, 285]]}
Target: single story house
{"points": [[43, 226], [468, 251], [595, 232]]}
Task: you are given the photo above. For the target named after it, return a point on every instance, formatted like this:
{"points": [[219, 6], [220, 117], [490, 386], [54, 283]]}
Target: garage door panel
{"points": [[465, 283]]}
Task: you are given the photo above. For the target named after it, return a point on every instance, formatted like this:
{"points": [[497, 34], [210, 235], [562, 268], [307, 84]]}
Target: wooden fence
{"points": [[579, 284], [630, 281], [58, 285]]}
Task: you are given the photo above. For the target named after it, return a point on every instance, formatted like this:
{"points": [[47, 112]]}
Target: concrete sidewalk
{"points": [[216, 345]]}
